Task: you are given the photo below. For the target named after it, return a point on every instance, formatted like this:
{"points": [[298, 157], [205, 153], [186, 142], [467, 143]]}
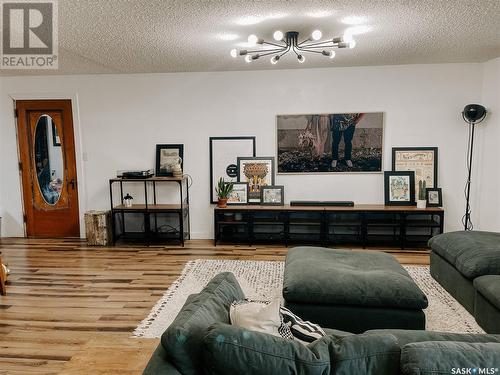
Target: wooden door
{"points": [[48, 168]]}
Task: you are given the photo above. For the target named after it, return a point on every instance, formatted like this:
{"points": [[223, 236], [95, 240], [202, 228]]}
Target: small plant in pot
{"points": [[223, 190], [422, 189]]}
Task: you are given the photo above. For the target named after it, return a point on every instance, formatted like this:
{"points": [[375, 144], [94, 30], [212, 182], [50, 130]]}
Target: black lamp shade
{"points": [[474, 112]]}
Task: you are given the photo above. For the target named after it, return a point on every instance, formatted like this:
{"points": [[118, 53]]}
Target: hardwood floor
{"points": [[70, 308]]}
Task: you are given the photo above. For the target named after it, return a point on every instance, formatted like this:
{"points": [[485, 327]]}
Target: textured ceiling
{"points": [[136, 36]]}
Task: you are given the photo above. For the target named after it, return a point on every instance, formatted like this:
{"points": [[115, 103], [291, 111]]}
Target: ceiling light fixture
{"points": [[290, 42]]}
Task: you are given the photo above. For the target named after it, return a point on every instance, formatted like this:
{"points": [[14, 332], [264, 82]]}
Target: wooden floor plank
{"points": [[71, 307]]}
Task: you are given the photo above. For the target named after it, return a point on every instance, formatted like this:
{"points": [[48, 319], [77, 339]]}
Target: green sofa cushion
{"points": [[489, 287], [410, 336], [442, 357], [159, 364], [473, 253], [231, 350], [344, 277], [366, 355], [182, 340]]}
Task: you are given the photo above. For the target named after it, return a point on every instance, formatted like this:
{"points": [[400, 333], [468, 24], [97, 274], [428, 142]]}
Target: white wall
{"points": [[120, 118], [487, 199]]}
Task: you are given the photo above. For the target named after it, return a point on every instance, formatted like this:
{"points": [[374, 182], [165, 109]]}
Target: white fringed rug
{"points": [[263, 281]]}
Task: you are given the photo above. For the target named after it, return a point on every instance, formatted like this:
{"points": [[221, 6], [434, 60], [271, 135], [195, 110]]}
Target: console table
{"points": [[150, 221], [365, 225]]}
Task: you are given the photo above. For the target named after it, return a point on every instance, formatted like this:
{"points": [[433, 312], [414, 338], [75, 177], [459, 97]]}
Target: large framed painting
{"points": [[258, 172], [330, 143], [224, 152], [421, 160], [399, 188], [166, 157]]}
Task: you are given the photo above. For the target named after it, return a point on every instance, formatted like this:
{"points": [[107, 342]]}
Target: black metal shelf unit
{"points": [[150, 222], [362, 225]]}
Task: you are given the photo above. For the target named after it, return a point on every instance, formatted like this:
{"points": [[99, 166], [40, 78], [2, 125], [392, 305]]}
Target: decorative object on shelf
{"points": [[434, 197], [399, 188], [472, 114], [239, 194], [422, 199], [289, 41], [224, 152], [223, 190], [177, 168], [127, 200], [147, 173], [167, 157], [421, 160], [273, 195], [258, 172], [331, 142]]}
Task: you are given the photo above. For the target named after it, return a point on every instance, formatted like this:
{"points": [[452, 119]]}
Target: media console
{"points": [[362, 225]]}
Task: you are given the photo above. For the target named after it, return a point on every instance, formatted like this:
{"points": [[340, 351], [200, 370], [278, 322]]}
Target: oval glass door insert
{"points": [[48, 160]]}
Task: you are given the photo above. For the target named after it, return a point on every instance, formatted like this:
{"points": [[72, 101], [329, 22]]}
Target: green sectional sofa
{"points": [[467, 265], [201, 341]]}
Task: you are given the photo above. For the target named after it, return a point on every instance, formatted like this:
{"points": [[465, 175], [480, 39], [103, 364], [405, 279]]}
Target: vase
{"points": [[222, 203], [421, 203]]}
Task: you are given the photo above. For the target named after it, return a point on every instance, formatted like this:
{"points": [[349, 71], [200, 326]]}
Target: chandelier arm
{"points": [[249, 51], [316, 47], [275, 44], [266, 54], [285, 52], [305, 40], [319, 43], [311, 51]]}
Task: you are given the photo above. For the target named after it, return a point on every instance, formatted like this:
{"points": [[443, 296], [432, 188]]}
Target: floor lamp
{"points": [[472, 114]]}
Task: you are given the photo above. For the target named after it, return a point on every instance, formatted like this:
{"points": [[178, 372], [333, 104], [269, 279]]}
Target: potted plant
{"points": [[223, 190], [422, 200]]}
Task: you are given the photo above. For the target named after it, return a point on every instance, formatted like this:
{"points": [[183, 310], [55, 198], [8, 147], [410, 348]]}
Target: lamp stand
{"points": [[469, 167]]}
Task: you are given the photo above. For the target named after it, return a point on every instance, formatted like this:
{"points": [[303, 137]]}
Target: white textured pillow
{"points": [[257, 316]]}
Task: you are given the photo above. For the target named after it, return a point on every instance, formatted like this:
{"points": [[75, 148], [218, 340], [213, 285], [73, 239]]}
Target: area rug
{"points": [[263, 280]]}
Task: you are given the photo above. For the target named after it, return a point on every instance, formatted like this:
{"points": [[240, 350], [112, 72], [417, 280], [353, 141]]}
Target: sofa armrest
{"points": [[159, 364]]}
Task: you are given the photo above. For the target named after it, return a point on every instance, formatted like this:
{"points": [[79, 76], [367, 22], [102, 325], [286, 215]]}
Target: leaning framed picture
{"points": [[258, 172], [330, 143], [166, 157], [239, 194], [399, 188], [434, 197], [224, 152], [421, 160], [272, 195]]}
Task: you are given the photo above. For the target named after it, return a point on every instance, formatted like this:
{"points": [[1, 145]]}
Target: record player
{"points": [[147, 173]]}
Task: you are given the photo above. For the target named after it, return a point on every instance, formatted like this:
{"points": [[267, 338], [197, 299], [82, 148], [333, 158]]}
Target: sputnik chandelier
{"points": [[289, 41]]}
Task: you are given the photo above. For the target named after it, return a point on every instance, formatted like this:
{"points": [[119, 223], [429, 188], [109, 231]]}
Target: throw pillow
{"points": [[257, 316], [302, 330]]}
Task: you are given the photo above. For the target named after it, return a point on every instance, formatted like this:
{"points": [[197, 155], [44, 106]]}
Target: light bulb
{"points": [[274, 60], [248, 58], [301, 59], [347, 38], [332, 54], [234, 53], [316, 35], [278, 35], [352, 44], [252, 39]]}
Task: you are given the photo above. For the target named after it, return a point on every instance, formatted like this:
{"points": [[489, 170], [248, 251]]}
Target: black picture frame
{"points": [[232, 156], [387, 195], [254, 195], [440, 197], [272, 187], [230, 203], [418, 149], [159, 148], [56, 140]]}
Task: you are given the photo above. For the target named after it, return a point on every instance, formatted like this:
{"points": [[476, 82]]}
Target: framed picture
{"points": [[224, 152], [166, 157], [272, 195], [434, 197], [330, 143], [399, 188], [258, 172], [239, 195], [421, 160], [56, 140]]}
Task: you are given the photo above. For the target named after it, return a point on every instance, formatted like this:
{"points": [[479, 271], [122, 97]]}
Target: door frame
{"points": [[79, 155]]}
